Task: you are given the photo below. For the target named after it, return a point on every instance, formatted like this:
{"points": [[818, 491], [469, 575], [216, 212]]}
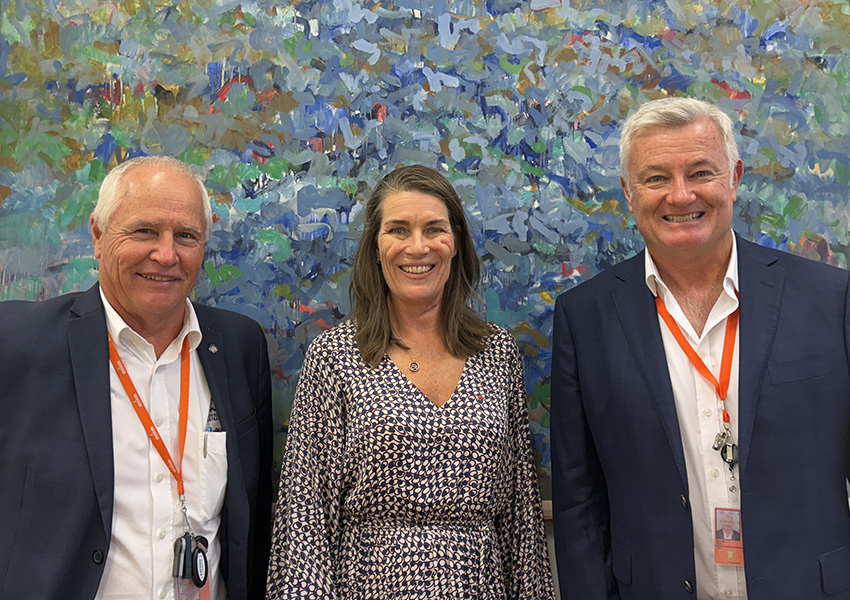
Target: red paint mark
{"points": [[667, 34], [225, 89], [577, 272], [140, 88], [304, 309], [317, 144], [381, 112], [263, 160], [114, 94], [265, 97], [216, 219], [281, 374], [577, 38], [745, 95]]}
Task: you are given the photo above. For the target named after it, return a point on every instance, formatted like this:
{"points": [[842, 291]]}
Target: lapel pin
{"points": [[213, 348]]}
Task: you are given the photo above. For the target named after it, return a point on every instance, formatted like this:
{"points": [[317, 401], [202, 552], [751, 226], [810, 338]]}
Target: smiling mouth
{"points": [[417, 270], [683, 218], [157, 278]]}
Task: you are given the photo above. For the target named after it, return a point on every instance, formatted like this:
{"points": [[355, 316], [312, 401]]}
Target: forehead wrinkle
{"points": [[407, 222], [136, 223], [700, 162]]}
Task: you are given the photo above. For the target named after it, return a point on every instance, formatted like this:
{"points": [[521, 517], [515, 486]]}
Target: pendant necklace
{"points": [[414, 366]]}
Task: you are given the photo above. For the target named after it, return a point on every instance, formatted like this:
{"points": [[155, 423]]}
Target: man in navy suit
{"points": [[706, 374], [134, 421]]}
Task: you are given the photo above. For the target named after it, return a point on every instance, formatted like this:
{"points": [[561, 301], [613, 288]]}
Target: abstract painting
{"points": [[293, 110]]}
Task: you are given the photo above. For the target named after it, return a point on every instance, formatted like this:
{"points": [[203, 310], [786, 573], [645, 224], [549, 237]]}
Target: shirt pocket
{"points": [[213, 473]]}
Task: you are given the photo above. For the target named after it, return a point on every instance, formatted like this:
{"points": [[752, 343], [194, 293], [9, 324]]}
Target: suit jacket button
{"points": [[689, 587], [97, 557], [685, 502]]}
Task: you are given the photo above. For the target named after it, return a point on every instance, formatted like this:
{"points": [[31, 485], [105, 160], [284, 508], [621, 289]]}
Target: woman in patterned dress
{"points": [[408, 471]]}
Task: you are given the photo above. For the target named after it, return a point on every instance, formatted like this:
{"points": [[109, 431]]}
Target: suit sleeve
{"points": [[847, 359], [306, 525], [262, 518], [522, 540], [579, 493]]}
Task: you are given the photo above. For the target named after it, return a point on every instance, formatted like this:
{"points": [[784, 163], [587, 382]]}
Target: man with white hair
{"points": [[705, 376], [136, 435]]}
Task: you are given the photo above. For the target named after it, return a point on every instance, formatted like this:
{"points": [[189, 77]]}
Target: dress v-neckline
{"points": [[423, 394]]}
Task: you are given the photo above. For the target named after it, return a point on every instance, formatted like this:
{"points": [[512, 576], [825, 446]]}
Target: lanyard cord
{"points": [[722, 386], [144, 417]]}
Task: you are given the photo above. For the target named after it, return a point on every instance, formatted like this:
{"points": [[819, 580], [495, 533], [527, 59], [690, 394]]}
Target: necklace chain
{"points": [[414, 365]]}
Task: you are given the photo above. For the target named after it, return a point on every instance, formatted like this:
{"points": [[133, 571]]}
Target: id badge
{"points": [[186, 590], [728, 537]]}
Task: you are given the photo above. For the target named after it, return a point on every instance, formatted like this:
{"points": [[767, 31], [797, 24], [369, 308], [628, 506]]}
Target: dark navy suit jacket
{"points": [[620, 491], [56, 463]]}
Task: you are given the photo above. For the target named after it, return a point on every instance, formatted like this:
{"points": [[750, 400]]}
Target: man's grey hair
{"points": [[111, 193], [676, 112]]}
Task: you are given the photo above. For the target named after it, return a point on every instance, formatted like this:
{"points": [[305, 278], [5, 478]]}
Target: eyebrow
{"points": [[406, 222], [698, 163], [153, 224]]}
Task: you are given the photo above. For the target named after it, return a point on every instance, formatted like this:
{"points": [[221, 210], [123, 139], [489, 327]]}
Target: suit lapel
{"points": [[636, 310], [211, 353], [762, 285], [89, 351]]}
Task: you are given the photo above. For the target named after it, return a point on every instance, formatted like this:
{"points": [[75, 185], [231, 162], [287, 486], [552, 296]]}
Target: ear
{"points": [[96, 237], [626, 192], [738, 174]]}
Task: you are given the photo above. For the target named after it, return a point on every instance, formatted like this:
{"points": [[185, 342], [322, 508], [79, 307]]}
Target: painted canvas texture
{"points": [[293, 110]]}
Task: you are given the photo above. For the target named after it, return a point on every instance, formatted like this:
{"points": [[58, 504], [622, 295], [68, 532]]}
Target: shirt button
{"points": [[688, 587], [707, 412], [162, 593], [733, 489], [727, 593], [685, 502], [158, 421], [97, 557], [161, 534], [714, 473], [160, 477]]}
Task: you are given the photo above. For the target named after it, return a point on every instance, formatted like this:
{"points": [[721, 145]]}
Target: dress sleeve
{"points": [[306, 525], [522, 539]]}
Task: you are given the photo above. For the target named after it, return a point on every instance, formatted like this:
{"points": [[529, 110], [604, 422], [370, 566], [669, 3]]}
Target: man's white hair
{"points": [[111, 193], [676, 112]]}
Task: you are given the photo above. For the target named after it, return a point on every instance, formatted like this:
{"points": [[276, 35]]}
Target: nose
{"points": [[418, 244], [165, 250], [681, 192]]}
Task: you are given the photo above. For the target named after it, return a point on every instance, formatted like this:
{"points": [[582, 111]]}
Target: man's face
{"points": [[151, 251], [727, 522], [680, 190]]}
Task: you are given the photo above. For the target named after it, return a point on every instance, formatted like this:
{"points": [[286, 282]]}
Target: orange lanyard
{"points": [[721, 386], [144, 417]]}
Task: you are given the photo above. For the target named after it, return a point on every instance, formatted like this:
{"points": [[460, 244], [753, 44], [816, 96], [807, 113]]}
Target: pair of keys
{"points": [[724, 443], [190, 559]]}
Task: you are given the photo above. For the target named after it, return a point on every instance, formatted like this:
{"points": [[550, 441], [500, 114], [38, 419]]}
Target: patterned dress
{"points": [[386, 496]]}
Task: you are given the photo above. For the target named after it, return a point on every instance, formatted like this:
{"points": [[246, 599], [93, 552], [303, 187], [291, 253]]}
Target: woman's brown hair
{"points": [[464, 331]]}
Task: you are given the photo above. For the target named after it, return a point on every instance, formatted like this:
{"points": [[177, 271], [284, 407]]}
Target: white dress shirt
{"points": [[147, 516], [710, 483]]}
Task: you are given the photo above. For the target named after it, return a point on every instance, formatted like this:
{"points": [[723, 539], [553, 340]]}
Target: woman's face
{"points": [[415, 246]]}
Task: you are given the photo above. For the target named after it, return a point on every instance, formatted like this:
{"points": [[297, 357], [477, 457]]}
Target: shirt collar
{"points": [[125, 337], [730, 280]]}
